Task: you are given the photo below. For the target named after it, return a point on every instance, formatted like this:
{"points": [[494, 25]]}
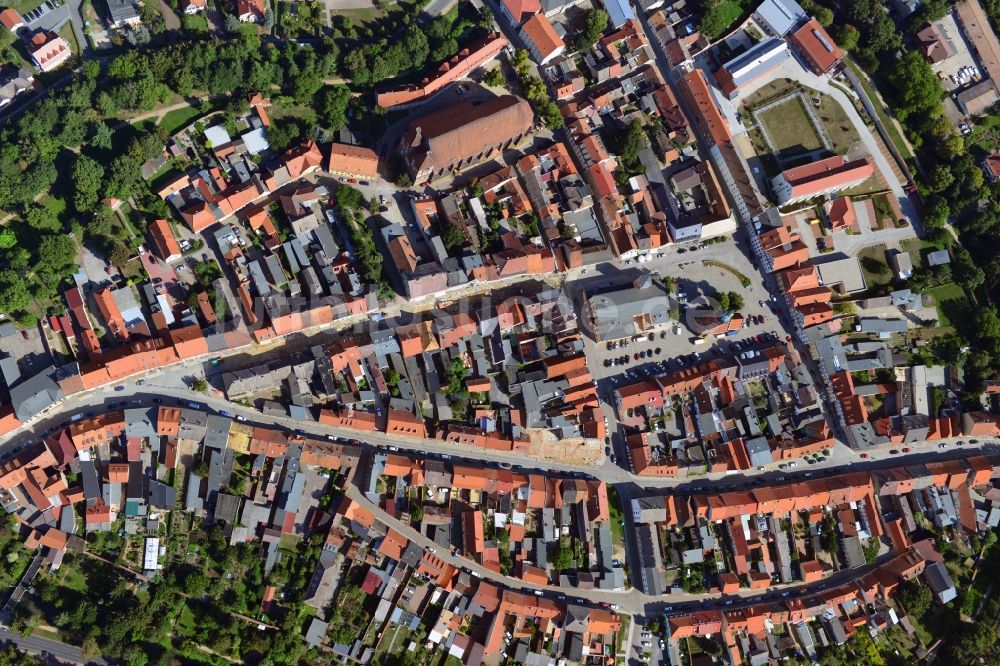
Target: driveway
{"points": [[170, 18]]}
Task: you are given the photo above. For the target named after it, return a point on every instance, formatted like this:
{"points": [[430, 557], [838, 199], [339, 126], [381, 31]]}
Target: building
{"points": [[458, 66], [11, 20], [933, 45], [694, 87], [354, 161], [164, 241], [902, 265], [622, 312], [541, 38], [250, 11], [193, 6], [463, 134], [778, 17], [48, 50], [816, 47], [979, 98], [518, 11], [13, 82], [751, 64], [123, 13], [818, 178]]}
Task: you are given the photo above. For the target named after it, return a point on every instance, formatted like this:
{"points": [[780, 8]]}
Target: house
{"points": [[542, 40], [933, 45], [979, 98], [11, 20], [251, 11], [902, 265], [352, 161], [123, 13], [164, 241], [13, 82], [938, 258], [48, 50], [463, 134], [816, 47], [193, 6], [518, 11], [818, 178]]}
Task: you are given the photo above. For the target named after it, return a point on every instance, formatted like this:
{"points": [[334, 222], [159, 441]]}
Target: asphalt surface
{"points": [[53, 651]]}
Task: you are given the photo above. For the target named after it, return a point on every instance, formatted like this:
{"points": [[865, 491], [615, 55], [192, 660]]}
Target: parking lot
{"points": [[680, 343]]}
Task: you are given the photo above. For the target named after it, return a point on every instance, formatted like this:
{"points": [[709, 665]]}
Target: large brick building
{"points": [[463, 134]]}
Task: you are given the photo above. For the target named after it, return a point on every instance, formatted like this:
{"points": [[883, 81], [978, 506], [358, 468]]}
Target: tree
{"points": [[42, 218], [56, 252], [416, 513], [915, 598], [120, 254], [268, 22], [87, 177], [825, 16], [735, 301], [563, 558], [635, 140], [14, 295], [495, 78], [717, 16], [331, 105], [847, 37], [453, 238], [8, 239], [595, 23], [199, 385], [231, 23]]}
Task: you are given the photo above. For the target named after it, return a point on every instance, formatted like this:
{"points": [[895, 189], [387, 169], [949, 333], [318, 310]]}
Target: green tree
{"points": [[915, 598], [634, 141], [735, 301], [87, 177], [495, 78], [8, 238], [453, 238], [199, 385], [120, 254], [595, 22], [825, 16], [56, 252], [563, 558], [847, 37], [42, 218], [14, 295], [331, 105], [717, 16]]}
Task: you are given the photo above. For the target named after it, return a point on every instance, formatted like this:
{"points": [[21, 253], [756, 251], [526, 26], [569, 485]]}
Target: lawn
{"points": [[178, 118], [839, 128], [950, 301], [358, 16], [791, 130], [874, 266], [615, 513], [196, 23]]}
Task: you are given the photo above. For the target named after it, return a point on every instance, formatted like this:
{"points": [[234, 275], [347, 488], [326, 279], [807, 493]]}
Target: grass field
{"points": [[790, 129], [950, 301], [178, 118], [874, 266]]}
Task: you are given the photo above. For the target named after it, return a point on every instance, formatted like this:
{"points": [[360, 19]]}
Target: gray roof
{"points": [[611, 313], [759, 451], [122, 11], [938, 258], [192, 425], [316, 632], [756, 61], [33, 395], [139, 423], [217, 431], [779, 15]]}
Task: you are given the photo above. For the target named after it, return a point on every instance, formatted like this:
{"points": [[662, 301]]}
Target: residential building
{"points": [[10, 19], [815, 179], [778, 17], [48, 50], [122, 13], [164, 241], [543, 42], [352, 161]]}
